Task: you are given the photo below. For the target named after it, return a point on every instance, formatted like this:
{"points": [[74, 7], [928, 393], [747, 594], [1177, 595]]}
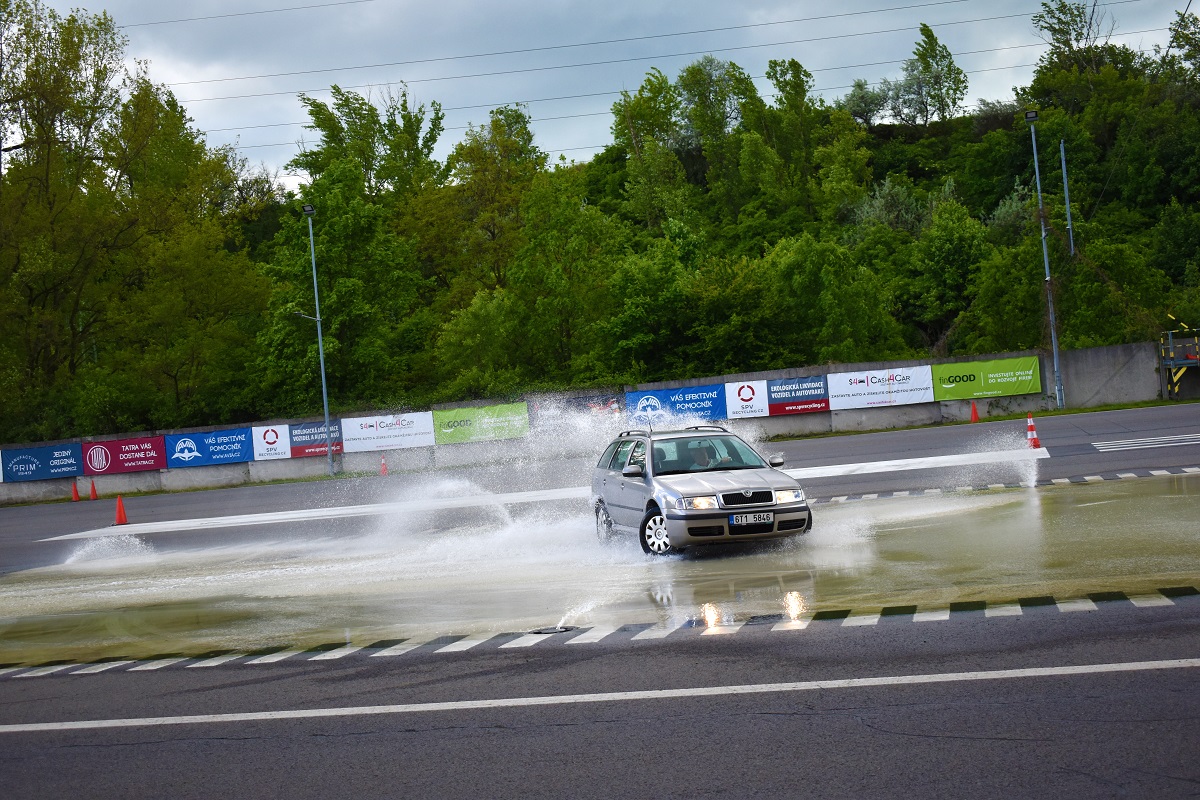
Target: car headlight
{"points": [[696, 503], [789, 496]]}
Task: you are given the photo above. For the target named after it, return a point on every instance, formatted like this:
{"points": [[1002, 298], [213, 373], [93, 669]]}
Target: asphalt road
{"points": [[1094, 700]]}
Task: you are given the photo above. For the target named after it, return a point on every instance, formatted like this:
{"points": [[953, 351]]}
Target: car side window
{"points": [[638, 456], [608, 454], [618, 459]]}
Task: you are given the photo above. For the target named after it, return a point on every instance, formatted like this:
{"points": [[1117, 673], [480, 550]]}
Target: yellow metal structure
{"points": [[1179, 350]]}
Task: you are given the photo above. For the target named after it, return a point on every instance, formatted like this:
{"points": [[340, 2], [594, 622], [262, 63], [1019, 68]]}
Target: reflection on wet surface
{"points": [[492, 571]]}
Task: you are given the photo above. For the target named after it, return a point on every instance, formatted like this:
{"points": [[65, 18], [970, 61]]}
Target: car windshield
{"points": [[703, 454]]}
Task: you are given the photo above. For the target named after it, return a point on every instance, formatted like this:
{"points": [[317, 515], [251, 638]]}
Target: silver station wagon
{"points": [[701, 485]]}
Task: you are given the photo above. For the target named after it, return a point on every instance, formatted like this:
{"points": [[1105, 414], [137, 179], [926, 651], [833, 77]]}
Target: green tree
{"points": [[932, 84]]}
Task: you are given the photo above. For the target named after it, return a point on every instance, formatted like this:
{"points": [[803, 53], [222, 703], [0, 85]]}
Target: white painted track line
{"points": [[107, 665], [937, 615], [594, 634], [465, 643], [40, 671], [7, 670], [341, 652], [1192, 470], [860, 620], [1003, 610], [1159, 472], [216, 661], [146, 666], [722, 630], [399, 649], [1076, 604], [528, 640], [654, 695], [271, 658], [660, 631], [1151, 600], [798, 624]]}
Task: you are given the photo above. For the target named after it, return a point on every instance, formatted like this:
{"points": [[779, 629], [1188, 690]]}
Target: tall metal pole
{"points": [[308, 213], [1062, 153], [1031, 116]]}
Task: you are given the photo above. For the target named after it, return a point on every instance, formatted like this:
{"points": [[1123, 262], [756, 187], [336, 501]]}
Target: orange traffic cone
{"points": [[121, 518], [1031, 433], [74, 492], [92, 495], [974, 412], [383, 466]]}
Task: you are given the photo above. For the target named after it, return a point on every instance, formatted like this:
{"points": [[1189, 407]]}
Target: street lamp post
{"points": [[1031, 118], [309, 212]]}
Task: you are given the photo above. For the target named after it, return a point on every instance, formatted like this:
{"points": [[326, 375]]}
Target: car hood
{"points": [[701, 483]]}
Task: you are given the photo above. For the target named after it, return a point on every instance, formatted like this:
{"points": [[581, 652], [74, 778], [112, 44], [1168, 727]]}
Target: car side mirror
{"points": [[776, 461], [633, 471]]}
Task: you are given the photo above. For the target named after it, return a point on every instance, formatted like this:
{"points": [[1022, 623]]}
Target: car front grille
{"points": [[745, 530], [755, 498]]}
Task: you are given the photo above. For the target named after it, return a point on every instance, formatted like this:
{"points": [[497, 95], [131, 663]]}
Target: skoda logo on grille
{"points": [[746, 493]]}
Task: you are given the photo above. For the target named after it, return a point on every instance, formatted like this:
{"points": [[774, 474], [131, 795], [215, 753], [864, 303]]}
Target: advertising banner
{"points": [[389, 432], [308, 439], [42, 463], [798, 395], [997, 378], [124, 455], [880, 387], [271, 442], [658, 407], [568, 409], [230, 446], [746, 399], [489, 423]]}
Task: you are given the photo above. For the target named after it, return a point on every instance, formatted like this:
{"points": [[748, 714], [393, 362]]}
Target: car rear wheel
{"points": [[653, 534], [604, 524]]}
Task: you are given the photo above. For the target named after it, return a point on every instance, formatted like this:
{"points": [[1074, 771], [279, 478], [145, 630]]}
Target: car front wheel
{"points": [[653, 534], [604, 524]]}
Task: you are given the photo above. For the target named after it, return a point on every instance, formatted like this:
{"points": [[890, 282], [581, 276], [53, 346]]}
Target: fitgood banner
{"points": [[388, 432], [1000, 377], [43, 463], [124, 455], [481, 424], [880, 387], [230, 446]]}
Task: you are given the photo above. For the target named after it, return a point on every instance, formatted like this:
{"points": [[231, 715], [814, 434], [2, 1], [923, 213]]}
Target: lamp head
{"points": [[1030, 116], [309, 211]]}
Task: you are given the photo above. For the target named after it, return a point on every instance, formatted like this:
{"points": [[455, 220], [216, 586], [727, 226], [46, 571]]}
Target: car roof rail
{"points": [[634, 432], [707, 428]]}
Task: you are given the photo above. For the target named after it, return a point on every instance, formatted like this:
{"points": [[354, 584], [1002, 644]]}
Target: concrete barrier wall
{"points": [[1093, 377]]}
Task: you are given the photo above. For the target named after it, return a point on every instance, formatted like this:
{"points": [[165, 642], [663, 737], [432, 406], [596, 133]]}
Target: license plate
{"points": [[752, 519]]}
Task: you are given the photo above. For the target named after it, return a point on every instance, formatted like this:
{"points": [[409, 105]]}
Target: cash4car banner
{"points": [[389, 432], [659, 406], [483, 424], [998, 378], [880, 387], [41, 463]]}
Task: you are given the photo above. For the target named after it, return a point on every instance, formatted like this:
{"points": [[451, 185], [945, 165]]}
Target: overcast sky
{"points": [[238, 65]]}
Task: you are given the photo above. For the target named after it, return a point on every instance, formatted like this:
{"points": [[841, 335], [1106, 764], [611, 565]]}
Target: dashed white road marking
{"points": [[1092, 478], [216, 661], [594, 634], [1076, 604], [660, 631], [528, 640], [1192, 470], [936, 615], [653, 695], [106, 665], [1061, 481], [466, 643], [1159, 472], [40, 671], [1151, 600], [399, 649], [721, 630], [341, 652], [798, 624], [1126, 475], [860, 620], [271, 658], [158, 663], [7, 670], [1003, 610]]}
